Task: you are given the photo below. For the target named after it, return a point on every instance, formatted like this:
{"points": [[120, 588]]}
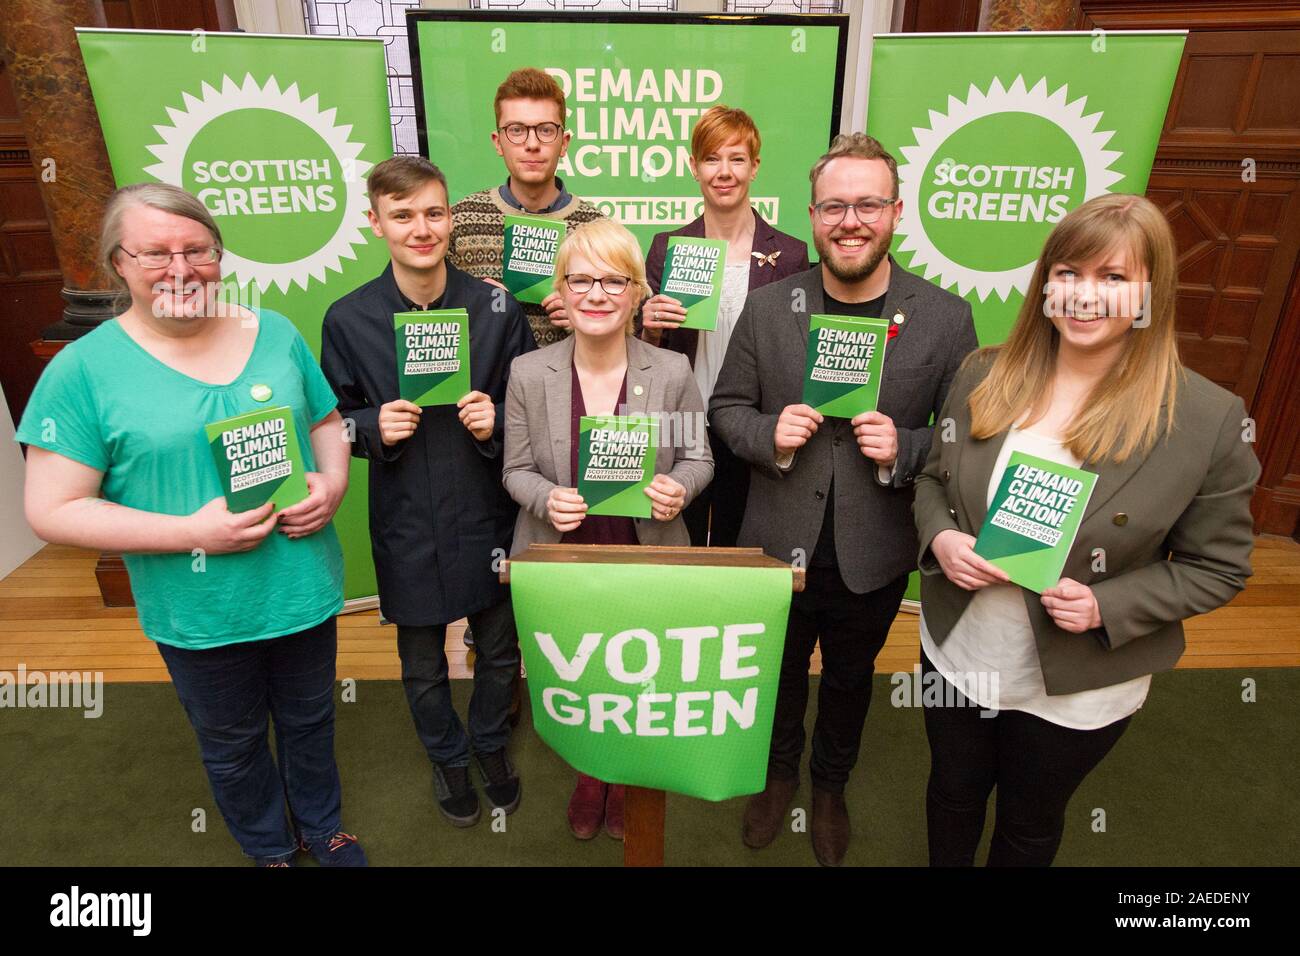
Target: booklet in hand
{"points": [[258, 459], [432, 356], [616, 463], [693, 275], [528, 257], [845, 357], [1035, 515]]}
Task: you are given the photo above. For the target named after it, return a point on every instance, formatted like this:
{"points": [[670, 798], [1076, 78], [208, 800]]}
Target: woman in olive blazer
{"points": [[1089, 377]]}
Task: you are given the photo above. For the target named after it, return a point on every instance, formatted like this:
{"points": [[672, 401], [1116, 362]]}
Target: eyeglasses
{"points": [[517, 133], [157, 258], [612, 285], [832, 212]]}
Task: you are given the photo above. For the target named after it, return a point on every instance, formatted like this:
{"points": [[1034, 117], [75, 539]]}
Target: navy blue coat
{"points": [[438, 511]]}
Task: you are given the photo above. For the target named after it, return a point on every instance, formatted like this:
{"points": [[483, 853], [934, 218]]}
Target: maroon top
{"points": [[595, 529]]}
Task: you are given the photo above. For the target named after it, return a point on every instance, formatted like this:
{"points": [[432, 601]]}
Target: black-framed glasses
{"points": [[517, 133], [832, 212], [612, 285], [158, 258]]}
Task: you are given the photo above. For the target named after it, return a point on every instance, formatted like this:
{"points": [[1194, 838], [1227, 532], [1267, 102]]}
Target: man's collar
{"points": [[561, 200], [410, 306]]}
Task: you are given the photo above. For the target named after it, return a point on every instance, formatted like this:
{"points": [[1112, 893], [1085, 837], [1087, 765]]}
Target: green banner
{"points": [[999, 135], [1036, 513], [693, 276], [843, 367], [432, 356], [655, 675], [258, 459], [616, 463], [275, 135], [634, 91]]}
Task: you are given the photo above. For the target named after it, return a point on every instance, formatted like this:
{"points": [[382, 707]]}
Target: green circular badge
{"points": [[260, 393]]}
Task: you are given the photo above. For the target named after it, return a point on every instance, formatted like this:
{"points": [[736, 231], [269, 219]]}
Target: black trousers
{"points": [[714, 517], [1035, 764], [852, 629], [428, 692]]}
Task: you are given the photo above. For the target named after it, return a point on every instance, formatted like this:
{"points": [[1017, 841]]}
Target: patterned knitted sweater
{"points": [[478, 240]]}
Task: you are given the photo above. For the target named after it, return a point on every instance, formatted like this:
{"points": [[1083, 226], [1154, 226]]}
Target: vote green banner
{"points": [[693, 276], [531, 243], [274, 135], [1035, 516], [655, 675], [258, 459], [432, 356], [616, 463], [635, 86], [842, 370], [999, 135]]}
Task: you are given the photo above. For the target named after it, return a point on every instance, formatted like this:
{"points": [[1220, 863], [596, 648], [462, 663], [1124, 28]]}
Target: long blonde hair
{"points": [[1122, 414]]}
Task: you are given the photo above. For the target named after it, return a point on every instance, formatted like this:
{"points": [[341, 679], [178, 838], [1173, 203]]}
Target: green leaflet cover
{"points": [[693, 275], [528, 258], [845, 357], [433, 356], [1036, 512], [258, 459], [616, 463]]}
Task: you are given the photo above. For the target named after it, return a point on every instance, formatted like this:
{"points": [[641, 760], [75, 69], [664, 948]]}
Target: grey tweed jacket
{"points": [[539, 412]]}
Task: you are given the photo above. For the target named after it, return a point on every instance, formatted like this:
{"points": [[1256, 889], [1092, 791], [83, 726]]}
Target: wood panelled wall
{"points": [[1227, 174]]}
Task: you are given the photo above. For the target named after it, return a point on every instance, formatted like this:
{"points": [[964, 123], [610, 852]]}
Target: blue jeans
{"points": [[428, 692], [229, 692]]}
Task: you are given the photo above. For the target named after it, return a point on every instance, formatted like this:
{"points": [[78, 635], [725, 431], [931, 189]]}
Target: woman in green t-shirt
{"points": [[241, 605]]}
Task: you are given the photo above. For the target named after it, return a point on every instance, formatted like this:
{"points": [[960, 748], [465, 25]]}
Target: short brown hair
{"points": [[857, 146], [400, 176], [530, 83], [721, 125]]}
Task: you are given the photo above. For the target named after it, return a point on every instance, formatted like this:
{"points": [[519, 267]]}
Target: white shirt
{"points": [[712, 348], [994, 636]]}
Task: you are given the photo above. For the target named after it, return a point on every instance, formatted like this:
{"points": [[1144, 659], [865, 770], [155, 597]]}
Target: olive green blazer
{"points": [[1174, 527]]}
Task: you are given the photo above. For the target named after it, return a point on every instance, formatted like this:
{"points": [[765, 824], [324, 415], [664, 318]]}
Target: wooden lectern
{"points": [[643, 808]]}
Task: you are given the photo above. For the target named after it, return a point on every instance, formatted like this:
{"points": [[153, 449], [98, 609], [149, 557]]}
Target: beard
{"points": [[845, 272]]}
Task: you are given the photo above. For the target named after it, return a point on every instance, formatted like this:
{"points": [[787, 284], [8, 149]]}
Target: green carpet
{"points": [[1200, 778]]}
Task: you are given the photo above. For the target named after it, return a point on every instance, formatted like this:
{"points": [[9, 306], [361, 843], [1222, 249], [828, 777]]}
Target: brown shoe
{"points": [[830, 827], [765, 812]]}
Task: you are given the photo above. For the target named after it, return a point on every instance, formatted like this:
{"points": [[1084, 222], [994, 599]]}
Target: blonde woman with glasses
{"points": [[599, 370]]}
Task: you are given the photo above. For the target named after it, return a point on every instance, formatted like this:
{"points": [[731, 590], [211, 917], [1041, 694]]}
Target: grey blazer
{"points": [[1175, 527], [875, 538], [539, 414]]}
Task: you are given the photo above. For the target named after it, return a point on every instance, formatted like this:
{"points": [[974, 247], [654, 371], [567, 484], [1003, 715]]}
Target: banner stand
{"points": [[644, 807]]}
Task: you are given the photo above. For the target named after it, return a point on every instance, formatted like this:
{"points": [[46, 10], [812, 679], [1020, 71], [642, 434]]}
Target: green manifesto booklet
{"points": [[528, 257], [1036, 512], [693, 276], [845, 357], [432, 356], [258, 459], [616, 463]]}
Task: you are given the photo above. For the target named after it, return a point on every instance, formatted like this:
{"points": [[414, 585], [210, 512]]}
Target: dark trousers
{"points": [[714, 517], [852, 629], [428, 690], [229, 692], [1035, 764]]}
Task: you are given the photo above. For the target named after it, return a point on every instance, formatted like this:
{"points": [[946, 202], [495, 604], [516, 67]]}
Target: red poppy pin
{"points": [[894, 326]]}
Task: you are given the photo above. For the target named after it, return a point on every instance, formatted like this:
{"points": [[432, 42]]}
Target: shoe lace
{"points": [[494, 766], [457, 779], [340, 840]]}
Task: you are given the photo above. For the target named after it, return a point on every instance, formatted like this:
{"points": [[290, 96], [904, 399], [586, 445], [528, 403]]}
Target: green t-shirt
{"points": [[107, 403]]}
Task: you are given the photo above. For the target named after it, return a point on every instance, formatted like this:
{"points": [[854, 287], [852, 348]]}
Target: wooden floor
{"points": [[52, 619]]}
